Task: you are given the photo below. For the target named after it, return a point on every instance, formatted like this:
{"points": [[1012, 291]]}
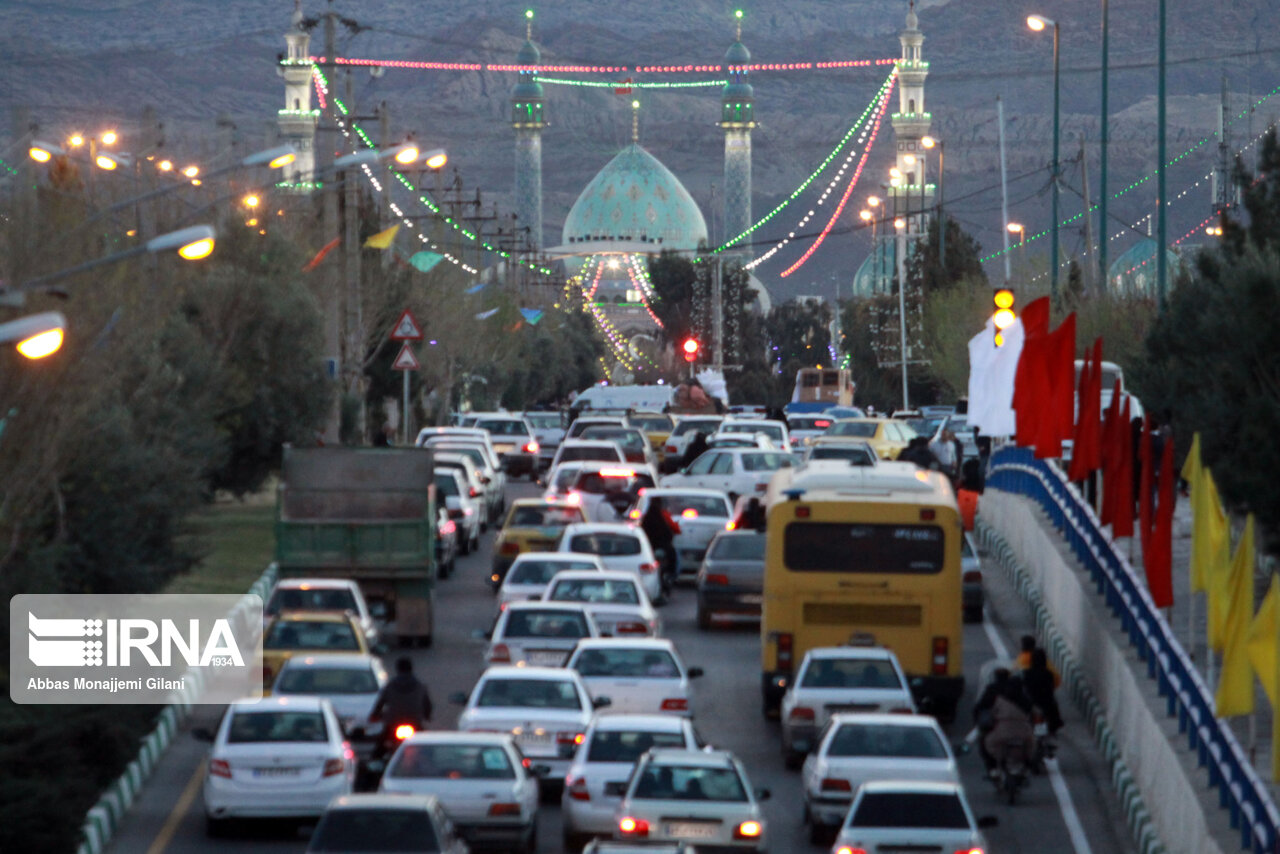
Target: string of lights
{"points": [[671, 68], [630, 84]]}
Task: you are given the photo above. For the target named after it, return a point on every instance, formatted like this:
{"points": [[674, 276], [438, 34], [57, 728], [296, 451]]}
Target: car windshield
{"points": [[695, 506], [746, 547], [849, 673], [628, 746], [326, 680], [605, 545], [594, 590], [689, 783], [691, 426], [854, 456], [544, 420], [251, 727], [544, 517], [309, 634], [447, 486], [628, 663], [546, 624], [529, 693], [294, 599], [886, 740], [651, 423], [386, 831], [453, 762], [590, 454], [861, 429], [909, 809], [542, 571], [504, 427], [773, 431], [474, 454], [808, 423], [765, 462]]}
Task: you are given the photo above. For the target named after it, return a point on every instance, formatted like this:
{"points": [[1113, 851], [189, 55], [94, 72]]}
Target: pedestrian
{"points": [[967, 494], [944, 451], [697, 447], [917, 451]]}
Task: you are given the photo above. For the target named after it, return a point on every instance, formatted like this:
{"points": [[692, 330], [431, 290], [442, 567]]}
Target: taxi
{"points": [[656, 426], [532, 525], [309, 633], [887, 435]]}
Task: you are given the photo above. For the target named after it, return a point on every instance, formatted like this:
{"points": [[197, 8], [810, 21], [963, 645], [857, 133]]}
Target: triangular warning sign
{"points": [[406, 361], [406, 328]]}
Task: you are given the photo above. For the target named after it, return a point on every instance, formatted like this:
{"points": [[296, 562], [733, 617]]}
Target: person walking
{"points": [[697, 447]]}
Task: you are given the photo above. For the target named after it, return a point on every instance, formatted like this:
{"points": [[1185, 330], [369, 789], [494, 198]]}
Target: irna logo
{"points": [[61, 642]]}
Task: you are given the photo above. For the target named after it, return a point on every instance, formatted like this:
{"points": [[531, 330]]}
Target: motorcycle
{"points": [[1013, 769], [388, 743], [1046, 743]]}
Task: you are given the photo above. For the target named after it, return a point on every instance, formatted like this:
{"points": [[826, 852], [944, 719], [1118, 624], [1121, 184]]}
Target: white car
{"points": [[471, 474], [546, 709], [803, 428], [588, 450], [619, 546], [479, 778], [759, 441], [374, 822], [514, 440], [856, 749], [528, 577], [467, 434], [602, 763], [855, 452], [279, 757], [322, 594], [641, 675], [911, 816], [775, 430], [350, 682], [548, 429], [616, 601], [559, 479], [701, 797], [465, 509], [539, 633], [491, 474], [585, 422], [597, 484], [834, 679], [734, 471], [700, 513], [682, 435]]}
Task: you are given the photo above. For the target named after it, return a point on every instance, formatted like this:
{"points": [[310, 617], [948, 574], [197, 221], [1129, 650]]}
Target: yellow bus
{"points": [[824, 385], [866, 555]]}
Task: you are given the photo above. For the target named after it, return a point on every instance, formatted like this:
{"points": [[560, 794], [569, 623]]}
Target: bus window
{"points": [[841, 547]]}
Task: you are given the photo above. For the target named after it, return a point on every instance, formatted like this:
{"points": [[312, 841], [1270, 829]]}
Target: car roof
{"points": [[300, 702], [608, 720], [594, 575], [914, 786], [318, 583], [754, 422], [509, 671], [500, 417], [870, 653], [456, 737], [556, 557], [628, 643], [602, 528], [681, 756], [588, 443], [663, 491], [542, 605], [316, 616], [378, 801], [885, 719], [345, 661], [542, 502]]}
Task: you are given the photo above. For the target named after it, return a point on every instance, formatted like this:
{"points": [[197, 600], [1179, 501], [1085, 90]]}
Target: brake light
{"points": [[730, 525], [845, 849], [617, 472], [573, 498], [334, 766], [803, 512], [689, 513], [578, 790], [500, 654], [648, 567], [821, 423], [747, 830], [671, 449], [633, 826], [940, 646], [969, 851], [835, 784], [531, 448], [404, 731], [973, 575], [569, 738], [784, 651], [716, 578], [928, 515], [675, 704], [634, 514], [631, 628], [510, 549], [801, 713], [473, 492], [761, 487], [504, 809], [220, 768], [448, 527]]}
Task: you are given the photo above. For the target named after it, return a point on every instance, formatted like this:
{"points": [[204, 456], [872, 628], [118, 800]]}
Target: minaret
{"points": [[910, 124], [527, 119], [737, 117], [297, 120]]}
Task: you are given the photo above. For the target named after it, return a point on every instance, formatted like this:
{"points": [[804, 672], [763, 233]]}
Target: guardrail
{"points": [[1252, 811]]}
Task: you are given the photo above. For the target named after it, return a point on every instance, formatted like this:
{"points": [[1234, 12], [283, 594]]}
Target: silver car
{"points": [[351, 683], [730, 582], [701, 515], [641, 675], [617, 603], [541, 634]]}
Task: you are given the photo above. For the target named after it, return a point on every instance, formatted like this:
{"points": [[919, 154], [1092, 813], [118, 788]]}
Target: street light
{"points": [[1038, 23], [36, 336], [930, 143], [1020, 230], [900, 224], [108, 138]]}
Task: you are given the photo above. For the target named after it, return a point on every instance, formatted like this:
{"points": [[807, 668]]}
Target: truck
{"points": [[365, 514]]}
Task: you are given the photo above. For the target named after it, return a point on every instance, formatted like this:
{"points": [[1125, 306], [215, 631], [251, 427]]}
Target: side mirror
{"points": [[202, 734], [763, 794], [695, 672], [601, 702], [540, 770], [988, 821], [458, 698]]}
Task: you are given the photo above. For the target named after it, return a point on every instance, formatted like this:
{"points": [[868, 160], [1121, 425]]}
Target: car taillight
{"points": [[675, 704], [730, 525], [472, 491], [499, 654], [761, 487], [456, 513], [968, 851], [939, 656], [784, 651], [333, 766], [220, 768], [671, 449], [404, 731], [567, 742], [633, 826], [634, 514], [573, 498], [845, 849], [973, 576], [835, 784], [495, 578], [715, 578], [510, 549], [747, 830], [578, 789], [648, 567], [631, 628], [801, 713], [504, 809], [689, 513], [448, 527]]}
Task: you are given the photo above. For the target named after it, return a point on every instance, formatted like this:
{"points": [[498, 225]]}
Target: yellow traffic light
{"points": [[1003, 316]]}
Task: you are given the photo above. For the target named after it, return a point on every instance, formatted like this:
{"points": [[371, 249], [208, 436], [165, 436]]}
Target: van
{"points": [[649, 398]]}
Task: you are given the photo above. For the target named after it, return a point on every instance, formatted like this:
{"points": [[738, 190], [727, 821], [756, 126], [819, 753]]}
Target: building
{"points": [[297, 120]]}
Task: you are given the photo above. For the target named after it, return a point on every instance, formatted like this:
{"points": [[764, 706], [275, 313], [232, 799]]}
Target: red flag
{"points": [[1144, 489], [1030, 381], [1086, 455], [1159, 563], [1122, 518], [328, 247], [1112, 446], [623, 88], [1058, 413]]}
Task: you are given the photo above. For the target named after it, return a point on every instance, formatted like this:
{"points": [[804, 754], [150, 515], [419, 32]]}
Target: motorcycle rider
{"points": [[403, 700], [1040, 680], [661, 530], [1003, 714]]}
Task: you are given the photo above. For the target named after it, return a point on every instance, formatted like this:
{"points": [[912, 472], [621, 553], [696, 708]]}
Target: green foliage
{"points": [[926, 270], [558, 356], [674, 278], [801, 333]]}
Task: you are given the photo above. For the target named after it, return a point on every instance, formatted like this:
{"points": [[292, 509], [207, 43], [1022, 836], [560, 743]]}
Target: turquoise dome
{"points": [[737, 54], [529, 54], [527, 88], [1134, 272], [634, 198], [875, 275]]}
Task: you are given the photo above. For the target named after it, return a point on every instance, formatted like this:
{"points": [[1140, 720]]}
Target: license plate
{"points": [[852, 707], [532, 739], [691, 829], [276, 772], [546, 658], [751, 598]]}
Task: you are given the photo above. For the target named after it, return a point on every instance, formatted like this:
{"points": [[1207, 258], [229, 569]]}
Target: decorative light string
{"points": [[630, 84], [671, 68], [322, 87]]}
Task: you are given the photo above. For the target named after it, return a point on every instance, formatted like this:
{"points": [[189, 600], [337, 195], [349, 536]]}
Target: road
{"points": [[168, 817]]}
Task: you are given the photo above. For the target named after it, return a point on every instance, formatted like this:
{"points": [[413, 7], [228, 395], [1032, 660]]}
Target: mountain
{"points": [[77, 63]]}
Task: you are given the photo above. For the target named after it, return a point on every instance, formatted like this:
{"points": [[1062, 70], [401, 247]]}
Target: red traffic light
{"points": [[690, 348]]}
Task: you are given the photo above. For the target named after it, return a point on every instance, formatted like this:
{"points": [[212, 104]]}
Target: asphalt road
{"points": [[168, 817]]}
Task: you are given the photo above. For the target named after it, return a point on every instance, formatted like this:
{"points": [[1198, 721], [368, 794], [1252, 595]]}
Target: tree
{"points": [[674, 278], [963, 261]]}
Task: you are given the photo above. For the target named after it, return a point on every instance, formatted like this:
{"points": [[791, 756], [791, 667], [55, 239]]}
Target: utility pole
{"points": [[717, 314], [353, 358], [1004, 194], [1090, 276], [331, 295]]}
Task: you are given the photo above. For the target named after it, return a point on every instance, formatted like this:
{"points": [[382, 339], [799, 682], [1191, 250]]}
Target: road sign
{"points": [[406, 329], [406, 361]]}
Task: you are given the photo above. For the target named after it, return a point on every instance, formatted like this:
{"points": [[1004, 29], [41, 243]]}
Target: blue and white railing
{"points": [[1240, 789]]}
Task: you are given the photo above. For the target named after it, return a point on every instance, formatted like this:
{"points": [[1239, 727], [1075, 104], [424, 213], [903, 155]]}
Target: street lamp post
{"points": [[899, 224], [877, 259], [1038, 23], [1020, 230], [929, 142], [35, 336]]}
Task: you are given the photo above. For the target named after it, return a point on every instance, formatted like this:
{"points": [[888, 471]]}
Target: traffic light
{"points": [[1004, 315], [690, 347]]}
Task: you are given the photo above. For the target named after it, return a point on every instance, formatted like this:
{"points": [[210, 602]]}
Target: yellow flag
{"points": [[1264, 638], [1211, 547], [382, 239], [1192, 470], [1235, 688]]}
